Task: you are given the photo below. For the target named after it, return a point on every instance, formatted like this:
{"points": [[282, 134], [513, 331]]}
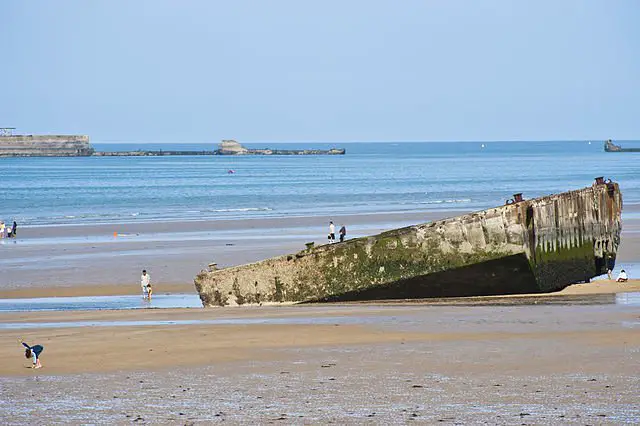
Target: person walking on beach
{"points": [[332, 233], [145, 281], [33, 352], [14, 229], [342, 232], [2, 229]]}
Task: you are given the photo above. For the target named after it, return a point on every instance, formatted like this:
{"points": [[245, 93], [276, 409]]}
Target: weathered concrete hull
{"points": [[45, 146], [531, 246]]}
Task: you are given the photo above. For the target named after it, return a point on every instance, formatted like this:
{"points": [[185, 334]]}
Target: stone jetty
{"points": [[144, 153], [524, 246], [231, 147]]}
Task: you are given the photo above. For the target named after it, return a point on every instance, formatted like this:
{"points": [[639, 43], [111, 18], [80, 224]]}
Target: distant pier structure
{"points": [[12, 145]]}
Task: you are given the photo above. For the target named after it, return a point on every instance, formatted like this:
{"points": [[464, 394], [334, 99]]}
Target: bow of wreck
{"points": [[524, 246]]}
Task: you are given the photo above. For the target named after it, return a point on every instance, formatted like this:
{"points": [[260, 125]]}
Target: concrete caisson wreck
{"points": [[525, 246]]}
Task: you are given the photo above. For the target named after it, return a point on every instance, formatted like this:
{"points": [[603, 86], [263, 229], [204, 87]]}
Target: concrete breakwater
{"points": [[79, 146], [524, 246], [45, 146], [231, 147], [141, 153]]}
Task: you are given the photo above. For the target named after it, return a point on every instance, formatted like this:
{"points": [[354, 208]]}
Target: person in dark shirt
{"points": [[33, 352], [343, 233]]}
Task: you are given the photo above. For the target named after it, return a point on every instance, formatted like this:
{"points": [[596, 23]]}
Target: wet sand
{"points": [[345, 364]]}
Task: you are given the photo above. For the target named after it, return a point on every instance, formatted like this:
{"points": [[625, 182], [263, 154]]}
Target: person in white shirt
{"points": [[145, 280], [332, 232], [622, 277]]}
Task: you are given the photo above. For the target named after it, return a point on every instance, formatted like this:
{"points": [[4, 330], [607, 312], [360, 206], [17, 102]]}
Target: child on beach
{"points": [[149, 291], [332, 233], [145, 281], [33, 352]]}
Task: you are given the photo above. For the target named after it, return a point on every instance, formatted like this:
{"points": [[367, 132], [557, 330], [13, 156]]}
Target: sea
{"points": [[369, 178]]}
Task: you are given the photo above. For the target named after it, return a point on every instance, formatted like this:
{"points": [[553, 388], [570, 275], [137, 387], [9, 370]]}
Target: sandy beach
{"points": [[533, 364], [566, 357]]}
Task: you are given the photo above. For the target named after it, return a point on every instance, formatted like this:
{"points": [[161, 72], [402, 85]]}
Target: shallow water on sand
{"points": [[91, 303], [410, 318]]}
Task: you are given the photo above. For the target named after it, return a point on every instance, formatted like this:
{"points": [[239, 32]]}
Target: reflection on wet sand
{"points": [[165, 301]]}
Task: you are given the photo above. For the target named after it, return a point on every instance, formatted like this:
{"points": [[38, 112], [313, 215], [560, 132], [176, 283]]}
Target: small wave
{"points": [[246, 209], [86, 218], [450, 201]]}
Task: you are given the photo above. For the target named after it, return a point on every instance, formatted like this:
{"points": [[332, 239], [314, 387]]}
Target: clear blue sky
{"points": [[364, 70]]}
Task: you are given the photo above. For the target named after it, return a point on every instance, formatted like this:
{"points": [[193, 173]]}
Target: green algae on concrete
{"points": [[525, 246]]}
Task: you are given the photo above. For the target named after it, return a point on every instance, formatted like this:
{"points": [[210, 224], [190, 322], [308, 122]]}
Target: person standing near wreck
{"points": [[332, 233], [622, 277]]}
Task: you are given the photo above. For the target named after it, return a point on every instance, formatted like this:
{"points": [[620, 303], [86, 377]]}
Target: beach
{"points": [[533, 363], [567, 357]]}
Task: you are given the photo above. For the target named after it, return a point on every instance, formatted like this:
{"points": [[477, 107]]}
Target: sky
{"points": [[290, 70]]}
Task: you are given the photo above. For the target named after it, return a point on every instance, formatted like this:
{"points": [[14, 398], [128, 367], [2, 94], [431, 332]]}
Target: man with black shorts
{"points": [[332, 233]]}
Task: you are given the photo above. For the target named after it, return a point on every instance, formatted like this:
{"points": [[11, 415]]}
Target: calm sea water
{"points": [[371, 177]]}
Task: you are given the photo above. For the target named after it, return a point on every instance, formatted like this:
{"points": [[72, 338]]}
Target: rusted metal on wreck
{"points": [[524, 246]]}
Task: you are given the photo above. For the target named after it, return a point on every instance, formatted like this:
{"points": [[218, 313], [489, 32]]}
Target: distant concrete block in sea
{"points": [[524, 246], [44, 145]]}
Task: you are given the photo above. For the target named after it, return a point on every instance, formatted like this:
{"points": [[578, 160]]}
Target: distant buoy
{"points": [[115, 234]]}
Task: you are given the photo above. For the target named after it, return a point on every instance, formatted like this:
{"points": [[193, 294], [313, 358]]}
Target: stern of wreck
{"points": [[574, 236]]}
